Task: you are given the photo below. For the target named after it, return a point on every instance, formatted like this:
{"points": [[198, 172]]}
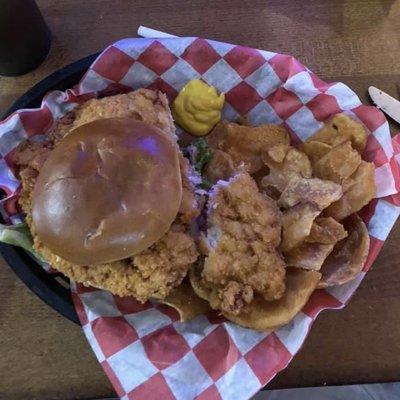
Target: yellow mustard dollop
{"points": [[197, 108]]}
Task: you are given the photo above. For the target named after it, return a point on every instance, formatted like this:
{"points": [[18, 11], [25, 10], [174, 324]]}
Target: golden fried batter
{"points": [[243, 236], [190, 207], [152, 273], [160, 268], [142, 104]]}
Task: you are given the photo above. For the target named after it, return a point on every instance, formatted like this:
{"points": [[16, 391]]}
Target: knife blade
{"points": [[388, 104]]}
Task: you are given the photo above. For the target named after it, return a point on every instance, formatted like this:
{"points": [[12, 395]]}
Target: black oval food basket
{"points": [[53, 289]]}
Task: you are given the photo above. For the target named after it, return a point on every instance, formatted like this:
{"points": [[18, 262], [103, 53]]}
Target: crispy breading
{"points": [[152, 273], [190, 206], [243, 235], [142, 104], [33, 154], [160, 268], [235, 297]]}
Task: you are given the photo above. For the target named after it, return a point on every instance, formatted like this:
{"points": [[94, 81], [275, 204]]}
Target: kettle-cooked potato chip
{"points": [[246, 144], [220, 167], [347, 184], [295, 165], [338, 164], [340, 129], [296, 224], [358, 195], [315, 150], [326, 231], [265, 315], [309, 256], [278, 152], [349, 255], [186, 302], [316, 191]]}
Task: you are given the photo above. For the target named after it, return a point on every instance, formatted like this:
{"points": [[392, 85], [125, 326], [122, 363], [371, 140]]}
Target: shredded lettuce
{"points": [[19, 235], [204, 154], [199, 154]]}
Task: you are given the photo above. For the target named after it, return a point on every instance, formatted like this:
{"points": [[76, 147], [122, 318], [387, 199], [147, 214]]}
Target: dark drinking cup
{"points": [[24, 37]]}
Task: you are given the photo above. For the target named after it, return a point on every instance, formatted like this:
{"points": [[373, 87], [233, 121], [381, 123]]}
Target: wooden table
{"points": [[45, 356]]}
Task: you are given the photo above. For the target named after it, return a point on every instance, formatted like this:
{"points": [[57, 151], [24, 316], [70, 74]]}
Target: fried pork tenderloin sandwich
{"points": [[109, 201]]}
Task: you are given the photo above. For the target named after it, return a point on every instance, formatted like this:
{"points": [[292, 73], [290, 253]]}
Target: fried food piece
{"points": [[315, 150], [61, 126], [258, 176], [326, 231], [297, 223], [347, 184], [184, 300], [265, 315], [270, 191], [293, 166], [33, 154], [358, 195], [220, 167], [243, 236], [276, 153], [308, 256], [143, 104], [246, 144], [338, 164], [313, 190], [152, 273], [235, 296], [340, 129], [190, 203], [349, 255]]}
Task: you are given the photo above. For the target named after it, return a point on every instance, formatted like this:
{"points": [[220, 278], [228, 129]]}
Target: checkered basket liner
{"points": [[143, 348]]}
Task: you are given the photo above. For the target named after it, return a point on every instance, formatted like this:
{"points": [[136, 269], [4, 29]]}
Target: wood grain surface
{"points": [[44, 356]]}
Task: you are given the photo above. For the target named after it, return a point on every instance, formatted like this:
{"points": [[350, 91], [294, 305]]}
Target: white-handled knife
{"points": [[385, 102]]}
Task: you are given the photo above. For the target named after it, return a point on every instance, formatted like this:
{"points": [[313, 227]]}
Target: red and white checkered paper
{"points": [[145, 351]]}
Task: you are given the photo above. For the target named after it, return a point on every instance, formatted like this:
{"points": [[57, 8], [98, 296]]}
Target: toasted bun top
{"points": [[109, 190]]}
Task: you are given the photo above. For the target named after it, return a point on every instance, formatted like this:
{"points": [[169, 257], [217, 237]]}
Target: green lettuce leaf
{"points": [[19, 235], [204, 154], [199, 154]]}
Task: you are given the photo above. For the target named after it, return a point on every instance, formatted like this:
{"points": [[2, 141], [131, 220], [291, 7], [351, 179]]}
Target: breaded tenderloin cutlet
{"points": [[242, 259], [142, 104], [155, 271]]}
